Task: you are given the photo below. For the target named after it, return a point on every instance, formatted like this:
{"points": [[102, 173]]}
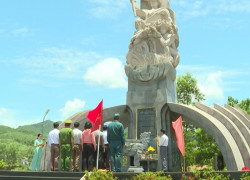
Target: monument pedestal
{"points": [[149, 164], [150, 87], [135, 169]]}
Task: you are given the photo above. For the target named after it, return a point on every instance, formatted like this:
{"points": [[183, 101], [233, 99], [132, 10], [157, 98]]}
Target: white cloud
{"points": [[57, 62], [217, 83], [211, 80], [242, 6], [11, 118], [72, 107], [4, 116], [182, 68], [16, 30], [107, 8], [195, 8], [109, 73], [68, 63], [212, 86], [20, 32]]}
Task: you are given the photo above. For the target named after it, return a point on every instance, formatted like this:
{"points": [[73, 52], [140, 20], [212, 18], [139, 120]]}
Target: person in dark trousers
{"points": [[98, 133], [106, 154], [53, 143], [163, 149], [88, 147], [116, 140]]}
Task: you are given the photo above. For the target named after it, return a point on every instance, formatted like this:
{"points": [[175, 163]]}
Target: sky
{"points": [[69, 55]]}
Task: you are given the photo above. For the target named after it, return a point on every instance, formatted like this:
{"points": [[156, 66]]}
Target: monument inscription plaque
{"points": [[146, 121]]}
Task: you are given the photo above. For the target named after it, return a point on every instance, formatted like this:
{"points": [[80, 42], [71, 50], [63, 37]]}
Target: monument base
{"points": [[135, 169]]}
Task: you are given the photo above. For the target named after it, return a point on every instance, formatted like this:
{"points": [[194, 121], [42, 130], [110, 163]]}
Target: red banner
{"points": [[95, 116], [177, 126]]}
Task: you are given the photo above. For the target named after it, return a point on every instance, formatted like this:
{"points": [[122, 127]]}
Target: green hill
{"points": [[17, 144], [5, 129], [35, 129]]}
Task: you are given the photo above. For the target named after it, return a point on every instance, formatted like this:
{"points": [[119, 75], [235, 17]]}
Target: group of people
{"points": [[70, 144]]}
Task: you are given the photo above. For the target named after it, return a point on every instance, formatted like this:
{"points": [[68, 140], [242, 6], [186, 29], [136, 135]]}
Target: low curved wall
{"points": [[216, 129]]}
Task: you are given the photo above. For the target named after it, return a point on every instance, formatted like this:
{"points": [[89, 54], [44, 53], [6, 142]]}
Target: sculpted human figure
{"points": [[158, 8], [170, 41], [152, 56], [139, 25], [143, 48], [156, 39]]}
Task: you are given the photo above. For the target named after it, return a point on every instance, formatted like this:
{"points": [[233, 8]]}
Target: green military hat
{"points": [[68, 121], [116, 115]]}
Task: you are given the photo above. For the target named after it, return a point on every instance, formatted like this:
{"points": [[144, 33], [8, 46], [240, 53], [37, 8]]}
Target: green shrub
{"points": [[3, 165], [151, 175], [99, 175], [206, 175], [21, 168], [245, 176], [215, 176]]}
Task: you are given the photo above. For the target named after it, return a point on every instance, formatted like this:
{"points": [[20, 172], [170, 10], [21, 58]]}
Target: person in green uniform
{"points": [[116, 140], [66, 142], [35, 163]]}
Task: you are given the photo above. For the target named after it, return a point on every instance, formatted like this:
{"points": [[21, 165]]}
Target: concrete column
{"points": [[168, 123]]}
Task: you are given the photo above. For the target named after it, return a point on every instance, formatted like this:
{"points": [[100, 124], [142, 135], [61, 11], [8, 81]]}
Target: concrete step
{"points": [[35, 178], [29, 175]]}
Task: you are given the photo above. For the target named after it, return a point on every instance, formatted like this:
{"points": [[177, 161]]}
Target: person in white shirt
{"points": [[77, 148], [53, 143], [98, 133], [163, 149], [106, 154]]}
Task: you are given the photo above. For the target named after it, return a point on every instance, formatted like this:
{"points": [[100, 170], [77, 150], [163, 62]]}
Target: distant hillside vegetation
{"points": [[17, 144], [35, 129], [5, 129]]}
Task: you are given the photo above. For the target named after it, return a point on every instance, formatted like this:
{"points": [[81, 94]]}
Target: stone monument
{"points": [[151, 97], [150, 67]]}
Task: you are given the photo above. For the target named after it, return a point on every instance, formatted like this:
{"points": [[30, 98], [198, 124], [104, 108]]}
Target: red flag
{"points": [[95, 116], [177, 126]]}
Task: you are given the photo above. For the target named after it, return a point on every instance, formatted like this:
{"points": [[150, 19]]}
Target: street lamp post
{"points": [[47, 111]]}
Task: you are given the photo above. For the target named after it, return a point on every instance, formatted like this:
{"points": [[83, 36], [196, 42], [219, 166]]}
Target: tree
{"points": [[16, 145], [187, 93], [187, 90], [200, 147], [206, 147], [244, 104], [231, 101]]}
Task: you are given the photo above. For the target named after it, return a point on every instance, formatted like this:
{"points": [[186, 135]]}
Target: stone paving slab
{"points": [[29, 175]]}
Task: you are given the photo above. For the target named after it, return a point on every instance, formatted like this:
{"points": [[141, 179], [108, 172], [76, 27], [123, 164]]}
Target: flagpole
{"points": [[95, 117], [184, 164], [97, 157]]}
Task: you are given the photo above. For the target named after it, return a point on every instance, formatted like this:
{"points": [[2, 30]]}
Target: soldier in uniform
{"points": [[116, 140], [66, 142]]}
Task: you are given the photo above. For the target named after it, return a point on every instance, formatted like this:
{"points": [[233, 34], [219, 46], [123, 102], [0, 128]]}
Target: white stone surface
{"points": [[155, 39], [222, 135], [238, 135], [152, 56]]}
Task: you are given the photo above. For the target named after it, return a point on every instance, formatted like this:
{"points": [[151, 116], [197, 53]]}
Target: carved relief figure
{"points": [[157, 7], [156, 35]]}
